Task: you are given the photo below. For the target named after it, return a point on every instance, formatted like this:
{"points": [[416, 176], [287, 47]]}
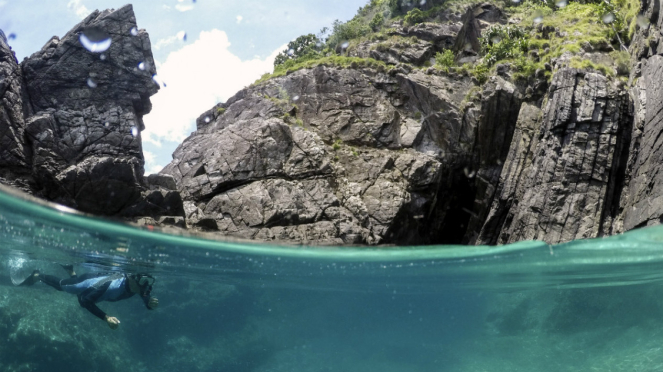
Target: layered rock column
{"points": [[642, 203], [569, 189]]}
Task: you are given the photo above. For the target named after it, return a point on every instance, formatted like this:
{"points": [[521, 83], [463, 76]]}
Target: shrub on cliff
{"points": [[376, 22], [304, 47], [414, 16], [445, 60], [503, 42], [343, 32]]}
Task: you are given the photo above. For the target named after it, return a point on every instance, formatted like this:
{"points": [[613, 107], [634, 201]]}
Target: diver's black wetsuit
{"points": [[94, 287]]}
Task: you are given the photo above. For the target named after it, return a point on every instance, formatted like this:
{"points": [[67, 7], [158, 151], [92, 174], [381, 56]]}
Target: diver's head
{"points": [[143, 283]]}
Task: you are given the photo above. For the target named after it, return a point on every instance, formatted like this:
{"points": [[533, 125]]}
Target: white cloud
{"points": [[198, 76], [183, 7], [164, 42], [151, 166], [239, 19], [167, 7], [78, 8]]}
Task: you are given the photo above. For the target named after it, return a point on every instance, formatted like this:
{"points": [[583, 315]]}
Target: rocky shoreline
{"points": [[389, 152]]}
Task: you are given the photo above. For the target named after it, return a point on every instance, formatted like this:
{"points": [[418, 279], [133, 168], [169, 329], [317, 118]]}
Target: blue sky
{"points": [[229, 45]]}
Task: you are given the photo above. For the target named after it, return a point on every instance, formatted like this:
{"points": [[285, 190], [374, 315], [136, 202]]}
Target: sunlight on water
{"points": [[227, 305]]}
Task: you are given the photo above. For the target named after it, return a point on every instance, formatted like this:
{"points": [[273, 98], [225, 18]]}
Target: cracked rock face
{"points": [[85, 134], [14, 153], [415, 45], [643, 202], [71, 120], [323, 156], [559, 184]]}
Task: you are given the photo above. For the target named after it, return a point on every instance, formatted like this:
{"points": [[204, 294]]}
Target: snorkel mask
{"points": [[145, 282]]}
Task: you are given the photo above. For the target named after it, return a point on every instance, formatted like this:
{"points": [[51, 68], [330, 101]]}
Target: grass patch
{"points": [[585, 64], [549, 33], [338, 61]]}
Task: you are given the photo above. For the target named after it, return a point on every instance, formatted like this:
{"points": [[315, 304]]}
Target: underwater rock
{"points": [[50, 338]]}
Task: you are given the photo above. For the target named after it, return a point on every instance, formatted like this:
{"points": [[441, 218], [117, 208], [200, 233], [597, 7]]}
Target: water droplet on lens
{"points": [[345, 44], [207, 119], [95, 39], [91, 83], [608, 18], [141, 66], [134, 131], [642, 21], [496, 40], [181, 35], [11, 36], [561, 3], [134, 31], [158, 80], [102, 57]]}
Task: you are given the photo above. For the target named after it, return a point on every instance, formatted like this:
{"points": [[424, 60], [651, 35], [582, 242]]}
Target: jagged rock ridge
{"points": [[71, 121]]}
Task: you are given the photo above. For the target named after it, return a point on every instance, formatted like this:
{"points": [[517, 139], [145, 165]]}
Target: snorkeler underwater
{"points": [[427, 185], [96, 287]]}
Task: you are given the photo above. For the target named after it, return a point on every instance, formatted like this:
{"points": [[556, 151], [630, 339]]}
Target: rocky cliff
{"points": [[451, 124], [393, 152], [71, 118]]}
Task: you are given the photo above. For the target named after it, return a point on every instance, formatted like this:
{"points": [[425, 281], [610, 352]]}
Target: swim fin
{"points": [[32, 279], [68, 268]]}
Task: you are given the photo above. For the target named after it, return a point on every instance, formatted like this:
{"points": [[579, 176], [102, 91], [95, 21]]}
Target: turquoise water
{"points": [[592, 305]]}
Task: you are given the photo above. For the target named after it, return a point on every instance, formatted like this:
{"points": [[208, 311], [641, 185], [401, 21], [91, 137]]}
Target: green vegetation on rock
{"points": [[538, 37], [334, 60]]}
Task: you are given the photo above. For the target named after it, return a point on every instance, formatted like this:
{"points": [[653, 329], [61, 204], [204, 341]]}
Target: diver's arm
{"points": [[91, 307], [150, 302], [112, 321], [87, 300]]}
